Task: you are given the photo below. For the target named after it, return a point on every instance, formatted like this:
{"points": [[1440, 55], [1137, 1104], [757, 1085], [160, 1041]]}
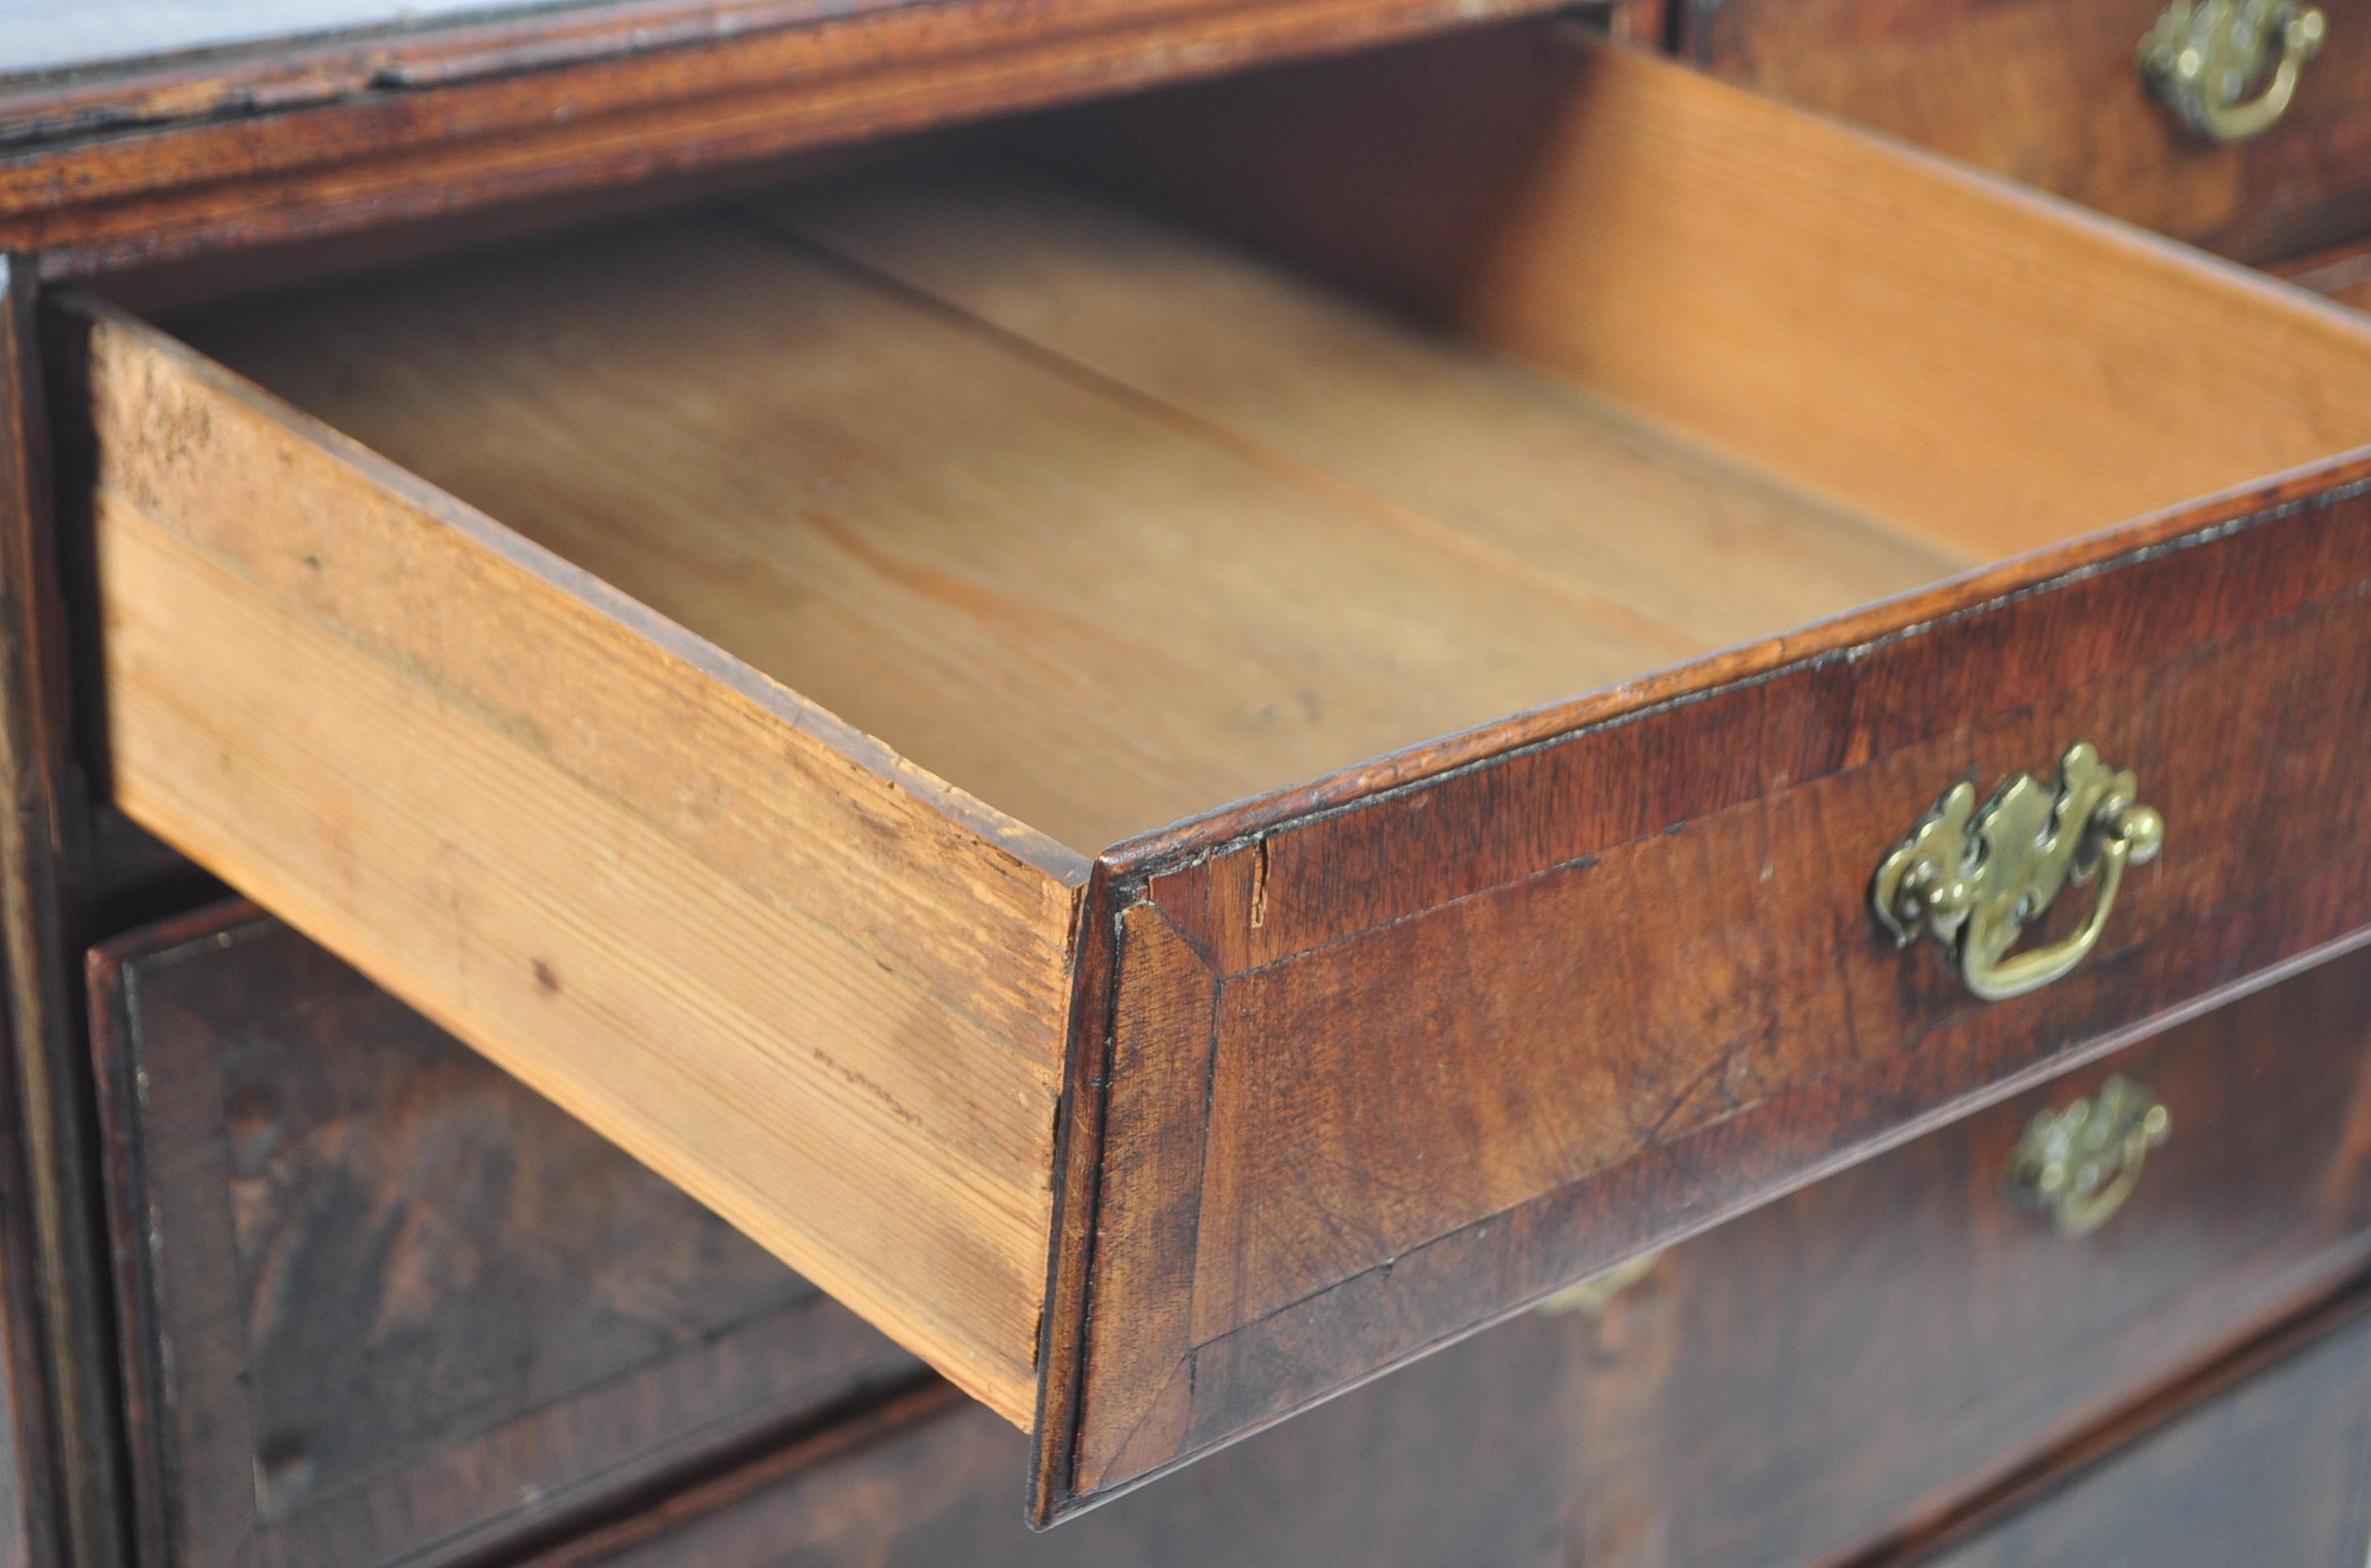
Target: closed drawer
{"points": [[1803, 1383], [1465, 1461], [712, 689], [382, 1305], [2051, 92], [2270, 1468], [1791, 1389]]}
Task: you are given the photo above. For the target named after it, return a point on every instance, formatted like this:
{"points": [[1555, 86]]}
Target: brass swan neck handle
{"points": [[1973, 879], [2079, 1165], [2202, 56]]}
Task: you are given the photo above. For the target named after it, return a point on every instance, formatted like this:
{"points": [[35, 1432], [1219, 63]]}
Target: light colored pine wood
{"points": [[1508, 464], [815, 987], [1100, 610], [1996, 368], [1991, 368]]}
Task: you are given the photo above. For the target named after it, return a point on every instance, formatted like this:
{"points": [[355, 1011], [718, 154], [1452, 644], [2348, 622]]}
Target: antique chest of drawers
{"points": [[322, 1373], [1472, 721]]}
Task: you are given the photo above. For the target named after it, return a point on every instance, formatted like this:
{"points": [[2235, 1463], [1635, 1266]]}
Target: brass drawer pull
{"points": [[2079, 1165], [1972, 880], [2203, 55], [1592, 1295]]}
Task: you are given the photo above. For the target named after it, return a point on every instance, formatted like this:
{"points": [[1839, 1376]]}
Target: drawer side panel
{"points": [[816, 999]]}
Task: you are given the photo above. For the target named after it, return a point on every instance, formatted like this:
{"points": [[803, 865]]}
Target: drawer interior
{"points": [[1305, 423]]}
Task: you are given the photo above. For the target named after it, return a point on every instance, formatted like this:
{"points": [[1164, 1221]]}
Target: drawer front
{"points": [[1796, 1385], [1466, 1462], [1391, 1056], [2048, 92], [1382, 1072], [381, 1303], [1787, 1390], [2275, 1470], [2342, 273]]}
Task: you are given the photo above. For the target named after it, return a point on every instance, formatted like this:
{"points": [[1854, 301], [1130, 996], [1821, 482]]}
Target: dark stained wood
{"points": [[1818, 1367], [2048, 92], [51, 1291], [1463, 1461], [42, 40], [382, 1303], [1790, 1388], [136, 879], [1492, 1018], [1784, 1390], [1644, 22], [477, 129], [51, 38], [30, 1500], [2269, 1468], [2342, 272], [70, 66]]}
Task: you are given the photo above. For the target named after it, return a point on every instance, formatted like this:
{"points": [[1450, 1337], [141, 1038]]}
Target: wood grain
{"points": [[1952, 1337], [2049, 94], [1948, 1333], [1465, 1460], [1347, 1068], [901, 531], [624, 107], [1638, 524], [1965, 360], [1448, 979], [63, 1441], [1496, 1028], [43, 36], [381, 1303], [2342, 273], [156, 61], [816, 988], [2272, 1469]]}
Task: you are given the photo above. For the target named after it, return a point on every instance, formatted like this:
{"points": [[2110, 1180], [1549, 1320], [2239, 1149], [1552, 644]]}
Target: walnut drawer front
{"points": [[2051, 92], [1798, 1386], [1465, 1461], [2276, 1468], [536, 670], [382, 1305], [1791, 1389]]}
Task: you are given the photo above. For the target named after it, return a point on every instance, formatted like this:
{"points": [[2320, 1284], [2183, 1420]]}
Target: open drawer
{"points": [[700, 662]]}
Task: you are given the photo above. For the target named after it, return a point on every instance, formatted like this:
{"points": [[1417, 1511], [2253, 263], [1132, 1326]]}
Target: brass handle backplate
{"points": [[1973, 879], [2204, 58], [2079, 1165]]}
